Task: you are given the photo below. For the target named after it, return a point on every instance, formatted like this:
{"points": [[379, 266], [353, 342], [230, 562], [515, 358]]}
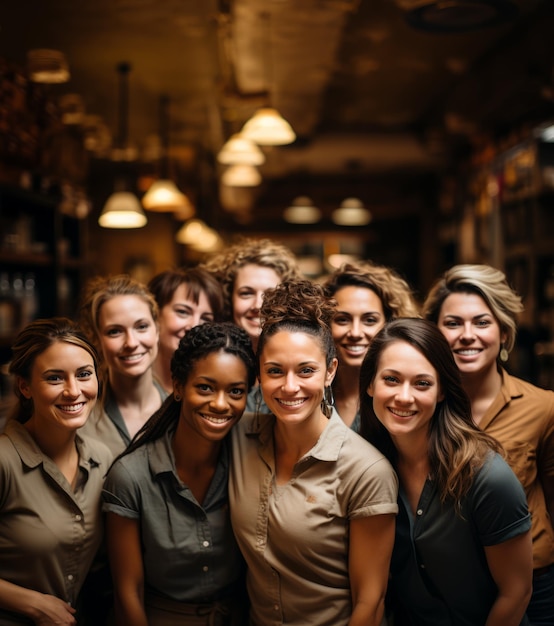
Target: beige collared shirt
{"points": [[294, 537], [49, 533]]}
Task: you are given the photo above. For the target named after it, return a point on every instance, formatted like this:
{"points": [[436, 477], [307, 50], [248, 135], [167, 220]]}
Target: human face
{"points": [[214, 395], [358, 318], [128, 335], [293, 374], [472, 332], [250, 284], [405, 390], [179, 315], [63, 386]]}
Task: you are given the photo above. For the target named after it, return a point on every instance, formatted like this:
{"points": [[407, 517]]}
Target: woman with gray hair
{"points": [[476, 310]]}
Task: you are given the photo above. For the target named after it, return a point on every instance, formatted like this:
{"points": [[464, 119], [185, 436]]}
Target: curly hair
{"points": [[457, 447], [198, 343], [101, 289], [298, 306], [393, 291], [197, 281], [488, 283], [263, 252], [31, 342]]}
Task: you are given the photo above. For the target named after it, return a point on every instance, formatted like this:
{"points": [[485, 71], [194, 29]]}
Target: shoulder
{"points": [[517, 387], [497, 479]]}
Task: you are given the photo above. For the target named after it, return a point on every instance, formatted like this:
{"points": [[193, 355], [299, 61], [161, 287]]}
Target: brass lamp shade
{"points": [[268, 128], [163, 196], [122, 210]]}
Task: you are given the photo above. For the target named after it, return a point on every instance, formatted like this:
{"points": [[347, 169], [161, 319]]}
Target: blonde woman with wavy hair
{"points": [[462, 552], [476, 310], [366, 296]]}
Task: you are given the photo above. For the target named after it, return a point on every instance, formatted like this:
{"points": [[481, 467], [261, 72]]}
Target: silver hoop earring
{"points": [[177, 397]]}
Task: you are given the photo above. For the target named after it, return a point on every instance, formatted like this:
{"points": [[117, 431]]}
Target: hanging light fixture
{"points": [[47, 66], [351, 213], [197, 235], [163, 195], [241, 176], [122, 209], [239, 150], [268, 128], [302, 211]]}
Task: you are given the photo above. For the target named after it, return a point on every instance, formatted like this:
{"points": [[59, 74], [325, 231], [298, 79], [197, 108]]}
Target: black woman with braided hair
{"points": [[172, 552]]}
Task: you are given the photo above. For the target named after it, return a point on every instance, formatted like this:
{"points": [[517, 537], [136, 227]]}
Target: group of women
{"points": [[267, 449]]}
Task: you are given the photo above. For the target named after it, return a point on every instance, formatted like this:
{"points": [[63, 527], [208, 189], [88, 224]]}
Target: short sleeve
{"points": [[121, 493], [376, 491], [498, 503]]}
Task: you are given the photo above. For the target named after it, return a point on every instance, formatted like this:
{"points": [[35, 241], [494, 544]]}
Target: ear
{"points": [[177, 389], [23, 387], [331, 371], [369, 390]]}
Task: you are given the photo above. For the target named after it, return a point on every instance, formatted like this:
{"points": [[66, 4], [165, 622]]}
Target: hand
{"points": [[51, 611]]}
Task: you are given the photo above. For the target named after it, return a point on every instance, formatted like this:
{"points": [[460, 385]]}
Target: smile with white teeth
{"points": [[132, 357], [71, 408], [400, 413], [216, 420], [355, 348], [468, 352], [297, 402]]}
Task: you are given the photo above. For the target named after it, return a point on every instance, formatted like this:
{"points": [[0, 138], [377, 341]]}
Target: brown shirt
{"points": [[521, 418], [49, 533]]}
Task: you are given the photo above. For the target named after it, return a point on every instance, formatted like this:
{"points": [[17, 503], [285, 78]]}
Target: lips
{"points": [[71, 408], [218, 420], [131, 358], [291, 403], [400, 413], [355, 349]]}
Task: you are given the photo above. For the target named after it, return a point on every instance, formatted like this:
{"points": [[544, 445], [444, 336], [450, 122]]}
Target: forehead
{"points": [[256, 275], [401, 356], [355, 297], [295, 346], [62, 355], [220, 366], [121, 308], [465, 303]]}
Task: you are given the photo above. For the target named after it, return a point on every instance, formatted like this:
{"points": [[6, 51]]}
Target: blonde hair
{"points": [[245, 251], [485, 281], [393, 291]]}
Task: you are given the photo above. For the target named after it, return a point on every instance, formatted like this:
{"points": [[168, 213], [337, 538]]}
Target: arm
{"points": [[124, 550], [42, 609], [511, 566], [369, 554]]}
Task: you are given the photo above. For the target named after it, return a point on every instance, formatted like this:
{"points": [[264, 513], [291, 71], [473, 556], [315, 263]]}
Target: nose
{"points": [[71, 387], [355, 329], [467, 332], [219, 402], [258, 299], [130, 339], [290, 384], [404, 394]]}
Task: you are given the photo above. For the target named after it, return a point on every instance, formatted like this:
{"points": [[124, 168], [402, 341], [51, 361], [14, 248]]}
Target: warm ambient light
{"points": [[197, 235], [351, 213], [302, 211], [241, 176], [163, 196], [239, 150], [268, 128], [122, 210], [47, 66]]}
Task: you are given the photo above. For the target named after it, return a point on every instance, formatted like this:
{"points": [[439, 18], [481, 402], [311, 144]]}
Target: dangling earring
{"points": [[503, 354], [177, 397], [328, 401]]}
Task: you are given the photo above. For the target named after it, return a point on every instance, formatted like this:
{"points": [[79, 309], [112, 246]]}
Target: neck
{"points": [[58, 444], [413, 449], [162, 372], [297, 439], [347, 383], [131, 390], [192, 451]]}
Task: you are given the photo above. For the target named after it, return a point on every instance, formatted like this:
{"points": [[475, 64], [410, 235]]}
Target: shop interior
{"points": [[417, 134]]}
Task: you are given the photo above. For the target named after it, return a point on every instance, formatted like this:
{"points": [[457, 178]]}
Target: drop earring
{"points": [[503, 354]]}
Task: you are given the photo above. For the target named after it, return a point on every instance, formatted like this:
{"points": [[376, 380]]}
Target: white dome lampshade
{"points": [[239, 150], [302, 211], [267, 128], [241, 176], [163, 196], [122, 210], [351, 213]]}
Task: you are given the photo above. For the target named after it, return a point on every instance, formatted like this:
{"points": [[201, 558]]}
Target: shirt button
{"points": [[205, 543], [275, 607], [419, 511], [78, 518], [70, 577], [205, 568], [422, 566]]}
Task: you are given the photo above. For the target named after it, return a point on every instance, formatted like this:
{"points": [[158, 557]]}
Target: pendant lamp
{"points": [[47, 66], [163, 196], [241, 176], [268, 128], [302, 211], [122, 209], [239, 150], [351, 213]]}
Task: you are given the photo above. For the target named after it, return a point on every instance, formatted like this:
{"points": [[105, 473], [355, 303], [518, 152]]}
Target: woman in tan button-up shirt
{"points": [[50, 478]]}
